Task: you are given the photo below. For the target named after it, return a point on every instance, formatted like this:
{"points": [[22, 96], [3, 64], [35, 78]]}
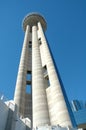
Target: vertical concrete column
{"points": [[60, 108], [19, 96], [39, 100]]}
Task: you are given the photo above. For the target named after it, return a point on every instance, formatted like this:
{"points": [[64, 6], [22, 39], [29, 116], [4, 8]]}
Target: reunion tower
{"points": [[39, 93]]}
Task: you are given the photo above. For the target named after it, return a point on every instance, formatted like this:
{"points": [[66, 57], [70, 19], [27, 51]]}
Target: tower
{"points": [[46, 102]]}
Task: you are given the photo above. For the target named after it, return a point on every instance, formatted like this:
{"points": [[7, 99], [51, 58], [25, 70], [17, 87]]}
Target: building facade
{"points": [[79, 111], [9, 119]]}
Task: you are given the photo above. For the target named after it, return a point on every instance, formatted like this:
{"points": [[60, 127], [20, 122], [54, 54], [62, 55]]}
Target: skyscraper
{"points": [[39, 92], [79, 111]]}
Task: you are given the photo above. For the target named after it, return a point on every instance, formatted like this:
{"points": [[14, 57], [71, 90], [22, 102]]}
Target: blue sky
{"points": [[66, 34]]}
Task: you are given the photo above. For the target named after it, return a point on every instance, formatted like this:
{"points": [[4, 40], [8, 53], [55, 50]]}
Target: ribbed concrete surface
{"points": [[57, 107], [20, 90], [28, 106], [40, 108]]}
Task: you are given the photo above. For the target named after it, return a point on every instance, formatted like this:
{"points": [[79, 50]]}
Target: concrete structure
{"points": [[45, 103], [57, 127], [10, 120]]}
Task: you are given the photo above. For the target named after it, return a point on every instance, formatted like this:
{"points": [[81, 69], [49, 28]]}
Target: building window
{"points": [[28, 82], [28, 78], [40, 42], [45, 72], [48, 81], [30, 44]]}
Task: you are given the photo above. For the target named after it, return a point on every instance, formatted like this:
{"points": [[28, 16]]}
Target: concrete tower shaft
{"points": [[45, 103], [20, 89]]}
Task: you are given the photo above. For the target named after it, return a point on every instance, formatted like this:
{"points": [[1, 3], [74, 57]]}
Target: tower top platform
{"points": [[32, 19]]}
